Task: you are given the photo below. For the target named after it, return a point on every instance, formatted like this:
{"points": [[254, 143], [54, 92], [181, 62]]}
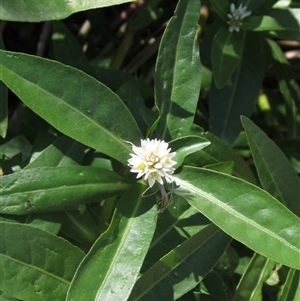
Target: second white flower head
{"points": [[152, 161], [236, 16]]}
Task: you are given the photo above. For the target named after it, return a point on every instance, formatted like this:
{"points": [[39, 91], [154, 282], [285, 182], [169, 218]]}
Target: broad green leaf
{"points": [[183, 268], [63, 152], [73, 102], [226, 54], [276, 20], [178, 72], [239, 95], [36, 265], [52, 189], [185, 146], [3, 104], [289, 88], [290, 290], [43, 10], [275, 172], [112, 266], [245, 212], [251, 283], [218, 152]]}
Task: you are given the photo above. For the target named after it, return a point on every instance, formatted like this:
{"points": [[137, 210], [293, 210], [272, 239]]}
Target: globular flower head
{"points": [[152, 161], [236, 15]]}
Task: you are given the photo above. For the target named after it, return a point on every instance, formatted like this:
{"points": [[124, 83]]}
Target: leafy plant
{"points": [[76, 224]]}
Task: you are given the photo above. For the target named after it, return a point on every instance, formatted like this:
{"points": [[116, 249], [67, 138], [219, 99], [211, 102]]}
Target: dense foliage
{"points": [[82, 83]]}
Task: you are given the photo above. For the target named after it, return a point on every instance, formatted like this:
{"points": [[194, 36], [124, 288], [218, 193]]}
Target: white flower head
{"points": [[236, 16], [152, 161]]}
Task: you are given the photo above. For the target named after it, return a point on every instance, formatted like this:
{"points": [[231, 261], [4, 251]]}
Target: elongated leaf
{"points": [[73, 102], [225, 56], [111, 268], [3, 104], [181, 269], [35, 265], [251, 283], [49, 189], [245, 212], [277, 20], [275, 172], [178, 72], [37, 11], [185, 146], [238, 96]]}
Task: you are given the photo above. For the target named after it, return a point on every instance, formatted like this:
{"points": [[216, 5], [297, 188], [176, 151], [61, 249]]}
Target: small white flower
{"points": [[152, 161], [236, 16]]}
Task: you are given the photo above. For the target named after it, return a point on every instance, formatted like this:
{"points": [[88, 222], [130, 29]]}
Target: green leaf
{"points": [[275, 172], [178, 72], [3, 103], [185, 146], [245, 212], [289, 88], [81, 107], [183, 268], [63, 152], [277, 20], [111, 268], [43, 10], [251, 283], [239, 95], [226, 54], [52, 189], [35, 265]]}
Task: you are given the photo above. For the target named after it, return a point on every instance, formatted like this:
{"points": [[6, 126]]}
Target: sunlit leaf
{"points": [[36, 265], [111, 268], [245, 212]]}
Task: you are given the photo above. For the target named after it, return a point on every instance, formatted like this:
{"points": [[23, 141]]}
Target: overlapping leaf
{"points": [[37, 11], [73, 102], [36, 265], [178, 72], [275, 172], [245, 212], [111, 268], [50, 189]]}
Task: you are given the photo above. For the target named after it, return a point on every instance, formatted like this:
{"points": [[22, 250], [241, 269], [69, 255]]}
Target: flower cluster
{"points": [[236, 16], [152, 161]]}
